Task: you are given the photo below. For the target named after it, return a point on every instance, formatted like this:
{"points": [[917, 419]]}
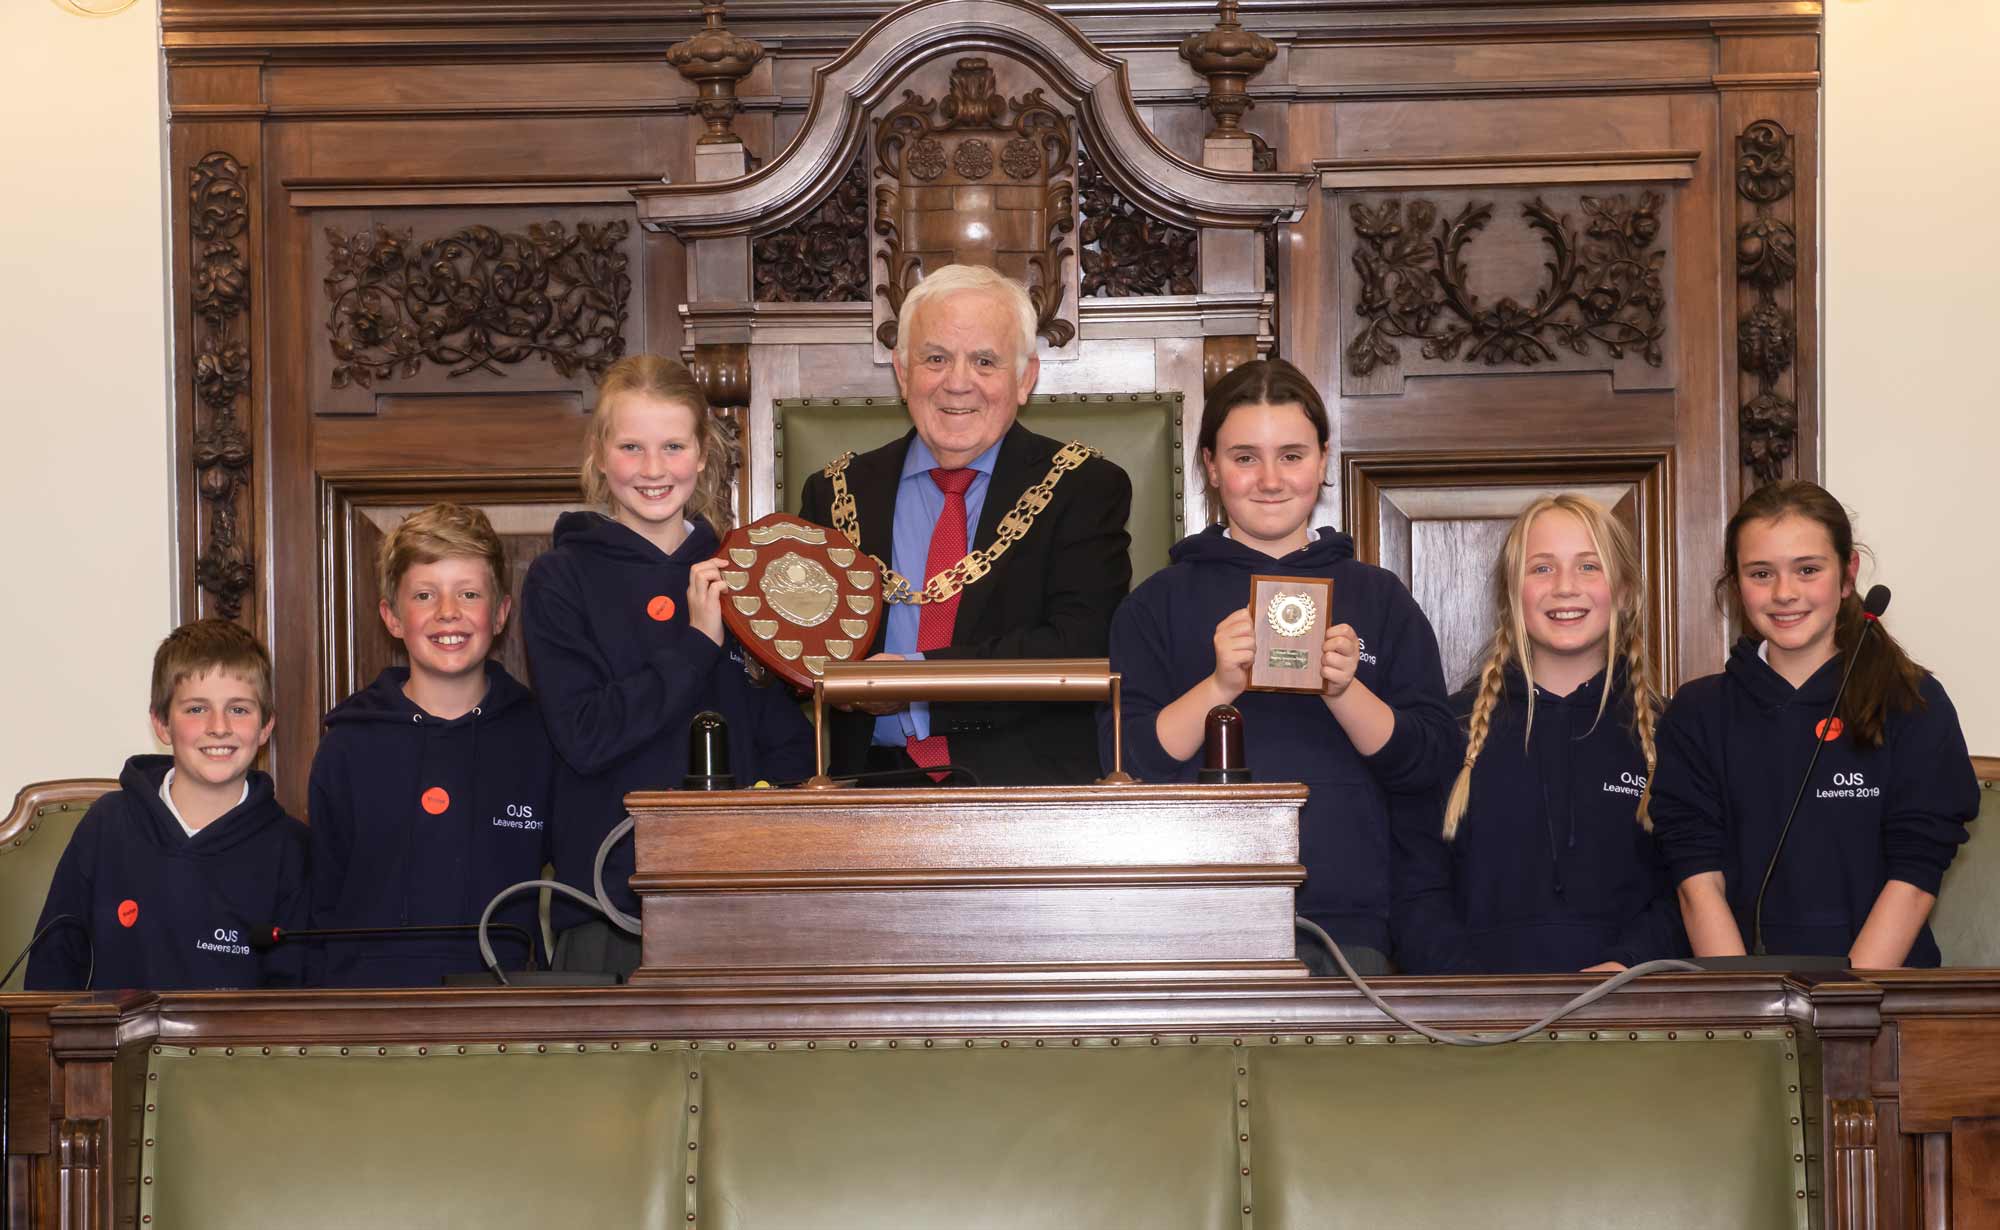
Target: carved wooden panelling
{"points": [[823, 257], [978, 177], [420, 302], [1767, 264], [1511, 280], [1125, 251], [219, 222], [1438, 521]]}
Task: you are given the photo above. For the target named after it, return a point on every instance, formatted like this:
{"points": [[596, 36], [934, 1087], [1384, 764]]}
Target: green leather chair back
{"points": [[1163, 1131], [32, 841], [1966, 922], [1139, 431]]}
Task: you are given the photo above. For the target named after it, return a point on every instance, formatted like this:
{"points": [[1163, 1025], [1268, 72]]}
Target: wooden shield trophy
{"points": [[799, 595], [1288, 622]]}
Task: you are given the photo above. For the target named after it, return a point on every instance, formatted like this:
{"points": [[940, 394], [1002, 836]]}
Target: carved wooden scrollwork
{"points": [[477, 299], [1603, 285], [219, 220], [1767, 263], [823, 257], [1124, 250], [938, 199]]}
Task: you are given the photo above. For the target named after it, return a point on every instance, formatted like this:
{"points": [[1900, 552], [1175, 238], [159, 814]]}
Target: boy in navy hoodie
{"points": [[431, 789], [167, 876]]}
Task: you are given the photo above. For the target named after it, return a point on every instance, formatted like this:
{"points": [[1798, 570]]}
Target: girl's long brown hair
{"points": [[662, 379], [1885, 679], [1625, 640]]}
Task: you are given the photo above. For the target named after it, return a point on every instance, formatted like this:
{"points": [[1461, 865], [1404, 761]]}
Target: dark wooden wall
{"points": [[1554, 245]]}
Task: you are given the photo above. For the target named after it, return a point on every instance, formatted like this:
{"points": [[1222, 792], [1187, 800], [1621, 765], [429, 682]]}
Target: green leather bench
{"points": [[1377, 1131], [32, 840], [1139, 431], [1966, 922]]}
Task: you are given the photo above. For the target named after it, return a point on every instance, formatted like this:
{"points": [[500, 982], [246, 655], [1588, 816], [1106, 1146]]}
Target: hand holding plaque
{"points": [[799, 595], [1289, 619]]}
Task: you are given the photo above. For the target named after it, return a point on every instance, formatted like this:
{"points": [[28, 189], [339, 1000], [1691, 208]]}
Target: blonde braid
{"points": [[1645, 709], [1491, 677]]}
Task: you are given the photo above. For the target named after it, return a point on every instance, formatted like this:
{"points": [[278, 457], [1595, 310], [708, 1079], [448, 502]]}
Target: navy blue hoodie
{"points": [[619, 687], [1163, 640], [1732, 750], [420, 821], [1550, 870], [165, 911]]}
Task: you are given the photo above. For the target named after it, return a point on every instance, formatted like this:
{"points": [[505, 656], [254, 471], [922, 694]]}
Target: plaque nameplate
{"points": [[1288, 619]]}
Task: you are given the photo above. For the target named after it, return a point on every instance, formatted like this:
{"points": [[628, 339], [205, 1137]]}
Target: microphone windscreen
{"points": [[262, 938], [1876, 602]]}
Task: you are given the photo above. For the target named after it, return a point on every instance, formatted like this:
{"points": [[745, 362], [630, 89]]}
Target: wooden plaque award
{"points": [[799, 595], [1288, 621]]}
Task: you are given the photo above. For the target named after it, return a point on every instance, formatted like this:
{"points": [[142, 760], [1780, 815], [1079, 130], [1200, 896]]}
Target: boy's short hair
{"points": [[210, 645], [442, 531]]}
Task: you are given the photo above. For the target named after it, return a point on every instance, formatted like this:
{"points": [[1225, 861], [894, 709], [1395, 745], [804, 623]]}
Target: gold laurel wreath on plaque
{"points": [[1291, 614], [1013, 527]]}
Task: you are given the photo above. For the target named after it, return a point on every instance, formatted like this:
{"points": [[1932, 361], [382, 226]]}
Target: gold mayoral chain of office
{"points": [[946, 584]]}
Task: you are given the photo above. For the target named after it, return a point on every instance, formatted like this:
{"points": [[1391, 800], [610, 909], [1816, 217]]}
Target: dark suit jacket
{"points": [[1050, 596]]}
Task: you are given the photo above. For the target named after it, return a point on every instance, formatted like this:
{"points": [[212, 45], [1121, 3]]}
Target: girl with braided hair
{"points": [[1544, 860]]}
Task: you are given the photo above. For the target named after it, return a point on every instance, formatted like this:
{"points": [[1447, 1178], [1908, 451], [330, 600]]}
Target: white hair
{"points": [[961, 279]]}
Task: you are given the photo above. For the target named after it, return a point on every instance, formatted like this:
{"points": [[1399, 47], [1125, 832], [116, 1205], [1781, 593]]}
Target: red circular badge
{"points": [[661, 608], [128, 912], [1828, 729], [436, 801]]}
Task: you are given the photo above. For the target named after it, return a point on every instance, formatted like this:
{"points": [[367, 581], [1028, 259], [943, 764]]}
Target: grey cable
{"points": [[601, 902], [1602, 989]]}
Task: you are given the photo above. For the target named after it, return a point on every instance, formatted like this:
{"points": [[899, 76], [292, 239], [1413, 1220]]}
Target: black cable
{"points": [[1602, 989], [37, 938], [950, 770]]}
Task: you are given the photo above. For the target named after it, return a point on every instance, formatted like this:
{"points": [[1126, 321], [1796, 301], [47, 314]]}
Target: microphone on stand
{"points": [[1872, 607]]}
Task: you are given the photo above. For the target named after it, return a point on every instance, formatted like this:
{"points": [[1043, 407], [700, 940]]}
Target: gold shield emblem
{"points": [[799, 589]]}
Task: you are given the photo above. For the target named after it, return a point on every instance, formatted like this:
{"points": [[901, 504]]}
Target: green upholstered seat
{"points": [[1139, 431], [1162, 1131], [1967, 919], [38, 831]]}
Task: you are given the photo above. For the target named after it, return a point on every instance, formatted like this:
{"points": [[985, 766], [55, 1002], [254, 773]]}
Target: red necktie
{"points": [[934, 622]]}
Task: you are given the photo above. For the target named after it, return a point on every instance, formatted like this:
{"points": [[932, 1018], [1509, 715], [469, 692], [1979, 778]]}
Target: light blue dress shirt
{"points": [[919, 504]]}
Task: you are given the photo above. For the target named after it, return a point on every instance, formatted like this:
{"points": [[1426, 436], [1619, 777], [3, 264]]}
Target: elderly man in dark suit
{"points": [[933, 503]]}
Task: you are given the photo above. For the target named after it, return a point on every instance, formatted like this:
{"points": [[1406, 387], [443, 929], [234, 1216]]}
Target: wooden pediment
{"points": [[850, 93]]}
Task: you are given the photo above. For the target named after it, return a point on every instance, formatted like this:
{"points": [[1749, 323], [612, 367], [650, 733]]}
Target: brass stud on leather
{"points": [[267, 1050], [381, 1050], [732, 1046], [1245, 1138], [968, 1044], [1076, 1041], [1632, 1037], [343, 1050], [228, 1050], [149, 1180], [1038, 1042], [1153, 1041], [770, 1046], [1711, 1035], [1674, 1035], [1003, 1044], [1114, 1042], [461, 1050], [152, 1076], [892, 1044], [694, 1046], [192, 1050], [811, 1046], [1243, 1102], [694, 1076], [1349, 1039], [852, 1045], [1593, 1035], [1242, 1071], [541, 1048], [927, 1043], [503, 1049], [1309, 1039], [423, 1050], [1246, 1172], [614, 1046]]}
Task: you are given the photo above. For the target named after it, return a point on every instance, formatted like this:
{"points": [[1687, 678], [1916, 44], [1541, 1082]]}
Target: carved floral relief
{"points": [[1602, 287], [218, 223], [1124, 250], [1767, 262], [477, 299], [823, 257]]}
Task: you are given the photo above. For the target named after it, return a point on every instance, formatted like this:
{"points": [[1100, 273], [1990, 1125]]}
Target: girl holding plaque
{"points": [[1375, 736], [623, 621], [1545, 860]]}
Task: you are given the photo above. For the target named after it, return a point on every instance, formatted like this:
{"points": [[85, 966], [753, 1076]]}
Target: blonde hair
{"points": [[442, 531], [210, 645], [959, 279], [1625, 640], [663, 379]]}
